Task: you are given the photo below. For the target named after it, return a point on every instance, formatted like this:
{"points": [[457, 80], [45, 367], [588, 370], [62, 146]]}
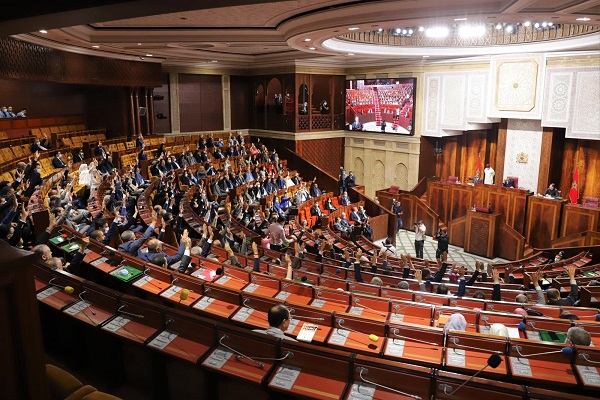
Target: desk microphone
{"points": [[566, 351], [292, 311], [245, 304], [81, 298], [320, 297], [394, 331], [120, 310], [363, 370], [66, 289], [357, 301], [372, 337], [145, 273], [240, 355], [493, 361]]}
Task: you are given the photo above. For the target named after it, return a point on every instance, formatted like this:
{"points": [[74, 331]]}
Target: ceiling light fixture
{"points": [[354, 28], [307, 40], [582, 19], [544, 24], [527, 23], [398, 30], [214, 61], [95, 47], [139, 44], [509, 28], [421, 28], [43, 31], [380, 30], [536, 25], [498, 26], [469, 31], [550, 23], [460, 19], [425, 56], [149, 55], [312, 48], [350, 54], [437, 32]]}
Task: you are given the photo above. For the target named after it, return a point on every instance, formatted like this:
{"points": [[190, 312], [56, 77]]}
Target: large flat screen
{"points": [[381, 105]]}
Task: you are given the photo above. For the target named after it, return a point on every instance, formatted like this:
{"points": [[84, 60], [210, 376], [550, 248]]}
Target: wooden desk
{"points": [[480, 233], [543, 218], [576, 219]]}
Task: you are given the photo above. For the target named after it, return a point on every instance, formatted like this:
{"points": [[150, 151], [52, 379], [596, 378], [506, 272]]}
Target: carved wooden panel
{"points": [[543, 217], [461, 200], [509, 244], [27, 61], [480, 233], [456, 231], [327, 154], [576, 219]]}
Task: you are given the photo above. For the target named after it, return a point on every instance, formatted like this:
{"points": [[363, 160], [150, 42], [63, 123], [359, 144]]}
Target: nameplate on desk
{"points": [[589, 375], [143, 281], [531, 335], [203, 303], [395, 347], [99, 261], [77, 307], [86, 251], [47, 292], [218, 358], [456, 357], [397, 317], [223, 280], [243, 314], [285, 377], [293, 325], [521, 367], [201, 273], [163, 340], [362, 391], [484, 329], [172, 291], [339, 337], [116, 324], [318, 303], [356, 310], [251, 288], [283, 295]]}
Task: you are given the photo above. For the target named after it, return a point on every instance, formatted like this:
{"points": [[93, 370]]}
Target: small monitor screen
{"points": [[381, 105]]}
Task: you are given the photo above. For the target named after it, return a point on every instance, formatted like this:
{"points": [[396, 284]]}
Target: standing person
{"points": [[442, 247], [419, 238], [277, 232], [488, 175], [398, 210], [342, 180]]}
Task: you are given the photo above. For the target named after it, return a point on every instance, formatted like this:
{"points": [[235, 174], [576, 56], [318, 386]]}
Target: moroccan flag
{"points": [[574, 192], [479, 168]]}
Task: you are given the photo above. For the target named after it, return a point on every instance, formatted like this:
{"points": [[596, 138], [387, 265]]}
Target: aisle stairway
{"points": [[377, 108]]}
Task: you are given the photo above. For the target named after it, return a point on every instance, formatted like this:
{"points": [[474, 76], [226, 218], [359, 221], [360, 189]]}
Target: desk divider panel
{"points": [[374, 308], [469, 352], [351, 333], [411, 312], [415, 344], [541, 362]]}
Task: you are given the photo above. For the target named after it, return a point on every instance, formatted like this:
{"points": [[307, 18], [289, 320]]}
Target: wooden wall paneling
{"points": [[545, 160], [500, 151], [577, 219], [241, 100], [589, 168], [428, 169], [491, 151], [500, 203], [200, 102], [137, 104], [462, 166], [438, 197], [481, 195], [474, 143], [327, 154], [461, 200], [430, 219], [107, 108], [409, 212], [543, 219], [162, 106], [480, 233], [211, 102]]}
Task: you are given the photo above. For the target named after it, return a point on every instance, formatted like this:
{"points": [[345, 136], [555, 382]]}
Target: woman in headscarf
{"points": [[84, 175], [456, 322], [498, 330]]}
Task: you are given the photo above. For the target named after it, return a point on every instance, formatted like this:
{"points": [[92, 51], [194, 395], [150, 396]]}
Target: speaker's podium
{"points": [[480, 232]]}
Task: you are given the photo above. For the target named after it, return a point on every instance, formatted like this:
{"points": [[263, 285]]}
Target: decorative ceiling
{"points": [[262, 34]]}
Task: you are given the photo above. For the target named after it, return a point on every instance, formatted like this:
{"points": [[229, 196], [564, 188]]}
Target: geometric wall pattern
{"points": [[571, 101], [523, 151]]}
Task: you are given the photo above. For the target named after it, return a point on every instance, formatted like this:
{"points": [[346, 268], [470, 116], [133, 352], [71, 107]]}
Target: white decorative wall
{"points": [[571, 101], [516, 86], [523, 137], [452, 101]]}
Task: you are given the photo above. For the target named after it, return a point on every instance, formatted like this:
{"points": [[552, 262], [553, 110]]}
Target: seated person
{"points": [[155, 247], [477, 178], [509, 183], [329, 205], [342, 226], [554, 294], [552, 191], [578, 336], [279, 321]]}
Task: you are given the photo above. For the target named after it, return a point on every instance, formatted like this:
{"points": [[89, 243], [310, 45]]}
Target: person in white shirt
{"points": [[279, 321], [387, 248], [488, 175], [419, 238]]}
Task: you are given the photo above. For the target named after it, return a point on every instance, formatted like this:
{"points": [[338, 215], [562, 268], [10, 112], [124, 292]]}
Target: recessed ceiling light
{"points": [[149, 55], [425, 56], [95, 47], [536, 25], [139, 44], [509, 28], [544, 24], [380, 30], [550, 23], [578, 19], [469, 31], [307, 40], [350, 54], [498, 26], [437, 32], [460, 19], [421, 28], [527, 23], [354, 28], [214, 61], [43, 31], [312, 48]]}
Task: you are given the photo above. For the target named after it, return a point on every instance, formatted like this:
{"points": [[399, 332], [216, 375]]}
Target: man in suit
{"points": [[351, 179], [554, 294], [106, 166], [356, 125], [37, 146], [383, 125], [57, 161], [155, 248], [142, 155], [552, 191], [315, 210], [99, 150], [33, 174], [314, 189], [355, 217], [345, 200], [79, 156], [131, 246]]}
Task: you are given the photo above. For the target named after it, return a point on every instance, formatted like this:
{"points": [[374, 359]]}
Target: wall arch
{"points": [[378, 175], [401, 176], [359, 170]]}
